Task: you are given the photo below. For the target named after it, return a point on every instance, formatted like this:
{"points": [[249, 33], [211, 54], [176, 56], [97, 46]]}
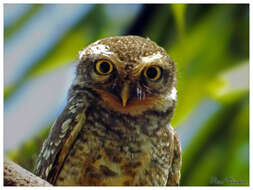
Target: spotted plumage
{"points": [[115, 128]]}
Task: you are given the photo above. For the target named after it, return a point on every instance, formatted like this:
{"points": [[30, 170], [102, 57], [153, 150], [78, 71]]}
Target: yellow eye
{"points": [[153, 73], [104, 67]]}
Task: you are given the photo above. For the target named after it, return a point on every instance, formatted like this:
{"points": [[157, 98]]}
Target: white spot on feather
{"points": [[46, 154], [48, 169], [62, 135], [65, 126], [57, 142], [52, 151], [73, 111], [38, 164], [70, 99], [43, 146], [71, 107]]}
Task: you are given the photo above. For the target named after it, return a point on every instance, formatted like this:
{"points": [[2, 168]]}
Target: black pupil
{"points": [[152, 73], [104, 67]]}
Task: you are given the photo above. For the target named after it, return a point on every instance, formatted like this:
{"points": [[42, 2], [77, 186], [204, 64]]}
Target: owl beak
{"points": [[125, 94]]}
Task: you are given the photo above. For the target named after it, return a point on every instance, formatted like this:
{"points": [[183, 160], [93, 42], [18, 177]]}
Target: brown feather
{"points": [[133, 107]]}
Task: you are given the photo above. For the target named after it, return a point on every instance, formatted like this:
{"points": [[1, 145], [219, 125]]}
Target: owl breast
{"points": [[116, 149]]}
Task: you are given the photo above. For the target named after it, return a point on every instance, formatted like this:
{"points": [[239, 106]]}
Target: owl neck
{"points": [[148, 122]]}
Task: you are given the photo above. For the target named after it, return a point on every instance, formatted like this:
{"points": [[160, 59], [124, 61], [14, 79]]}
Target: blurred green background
{"points": [[209, 43]]}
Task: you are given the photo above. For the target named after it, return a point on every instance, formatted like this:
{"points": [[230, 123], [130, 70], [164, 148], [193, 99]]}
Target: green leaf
{"points": [[19, 23], [179, 14], [26, 155]]}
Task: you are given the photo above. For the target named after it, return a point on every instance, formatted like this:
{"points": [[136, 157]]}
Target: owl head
{"points": [[129, 74]]}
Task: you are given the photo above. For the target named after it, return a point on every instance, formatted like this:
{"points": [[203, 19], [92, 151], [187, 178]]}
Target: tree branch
{"points": [[14, 175]]}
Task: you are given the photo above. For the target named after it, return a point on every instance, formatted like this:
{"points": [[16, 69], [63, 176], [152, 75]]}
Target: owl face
{"points": [[130, 74]]}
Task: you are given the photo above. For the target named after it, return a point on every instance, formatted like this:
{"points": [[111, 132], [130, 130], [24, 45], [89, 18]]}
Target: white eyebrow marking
{"points": [[81, 53], [151, 58], [96, 49]]}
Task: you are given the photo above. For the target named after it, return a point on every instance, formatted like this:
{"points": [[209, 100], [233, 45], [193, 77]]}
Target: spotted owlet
{"points": [[115, 128]]}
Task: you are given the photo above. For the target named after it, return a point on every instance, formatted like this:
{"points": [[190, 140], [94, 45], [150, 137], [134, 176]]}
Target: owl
{"points": [[115, 128]]}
